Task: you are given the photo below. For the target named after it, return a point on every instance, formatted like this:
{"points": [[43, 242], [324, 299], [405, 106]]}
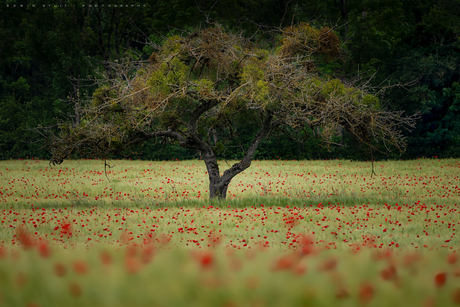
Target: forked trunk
{"points": [[218, 185], [218, 191]]}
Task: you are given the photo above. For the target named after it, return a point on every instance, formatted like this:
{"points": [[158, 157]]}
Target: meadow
{"points": [[291, 233]]}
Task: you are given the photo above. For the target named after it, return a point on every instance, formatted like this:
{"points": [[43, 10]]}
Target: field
{"points": [[291, 233]]}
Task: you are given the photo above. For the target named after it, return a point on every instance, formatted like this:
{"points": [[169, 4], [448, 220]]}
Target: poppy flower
{"points": [[440, 279], [75, 289], [366, 292]]}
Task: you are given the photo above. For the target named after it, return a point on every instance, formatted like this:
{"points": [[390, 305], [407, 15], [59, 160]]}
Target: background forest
{"points": [[47, 54]]}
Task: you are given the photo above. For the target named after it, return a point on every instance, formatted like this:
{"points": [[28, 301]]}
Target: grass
{"points": [[320, 233]]}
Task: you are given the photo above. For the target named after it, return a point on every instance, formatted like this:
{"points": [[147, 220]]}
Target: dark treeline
{"points": [[47, 54]]}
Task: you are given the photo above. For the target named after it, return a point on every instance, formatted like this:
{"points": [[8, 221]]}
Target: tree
{"points": [[198, 89]]}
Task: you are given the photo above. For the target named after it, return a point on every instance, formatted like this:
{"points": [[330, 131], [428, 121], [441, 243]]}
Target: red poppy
{"points": [[105, 257], [75, 289], [366, 292], [389, 274], [286, 262], [132, 264], [66, 228], [59, 269], [26, 239], [341, 293], [306, 245], [440, 279], [452, 258], [80, 267], [206, 259], [328, 264], [456, 296], [44, 249]]}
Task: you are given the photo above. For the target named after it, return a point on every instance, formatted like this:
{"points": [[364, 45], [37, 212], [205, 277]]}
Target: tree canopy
{"points": [[46, 50], [199, 88]]}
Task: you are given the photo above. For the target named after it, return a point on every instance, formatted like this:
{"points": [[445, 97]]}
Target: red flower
{"points": [[306, 246], [456, 296], [26, 239], [299, 269], [44, 249], [286, 262], [328, 264], [440, 279], [66, 228], [80, 267], [342, 293], [389, 273], [105, 257], [132, 264], [452, 258], [147, 253], [366, 292], [206, 259], [59, 269], [75, 289]]}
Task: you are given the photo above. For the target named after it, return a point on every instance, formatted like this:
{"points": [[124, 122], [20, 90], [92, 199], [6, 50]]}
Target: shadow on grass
{"points": [[256, 201]]}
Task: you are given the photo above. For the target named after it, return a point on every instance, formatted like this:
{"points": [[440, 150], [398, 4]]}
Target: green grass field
{"points": [[291, 233]]}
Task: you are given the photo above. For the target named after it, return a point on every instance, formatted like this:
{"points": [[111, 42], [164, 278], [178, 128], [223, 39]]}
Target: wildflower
{"points": [[59, 269], [389, 274], [328, 264], [286, 262], [132, 264], [75, 289], [205, 259], [452, 258], [341, 293], [105, 258], [66, 228], [456, 296], [80, 267], [440, 279], [306, 245], [26, 239], [44, 249], [147, 253], [366, 292]]}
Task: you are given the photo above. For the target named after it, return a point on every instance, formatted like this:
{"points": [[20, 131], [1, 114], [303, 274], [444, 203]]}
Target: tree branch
{"points": [[246, 161]]}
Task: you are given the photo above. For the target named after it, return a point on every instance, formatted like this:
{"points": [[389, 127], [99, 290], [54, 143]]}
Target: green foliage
{"points": [[171, 45], [19, 86], [252, 73], [172, 72], [261, 54], [219, 148], [101, 95], [335, 88], [397, 39], [261, 91], [204, 87], [371, 101]]}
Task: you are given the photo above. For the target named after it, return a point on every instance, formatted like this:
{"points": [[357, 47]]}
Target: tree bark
{"points": [[210, 159], [218, 185]]}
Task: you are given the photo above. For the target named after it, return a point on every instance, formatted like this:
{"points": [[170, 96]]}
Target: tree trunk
{"points": [[219, 190], [218, 185]]}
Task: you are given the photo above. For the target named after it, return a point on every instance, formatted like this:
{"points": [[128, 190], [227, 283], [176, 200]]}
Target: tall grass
{"points": [[137, 183], [291, 233]]}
